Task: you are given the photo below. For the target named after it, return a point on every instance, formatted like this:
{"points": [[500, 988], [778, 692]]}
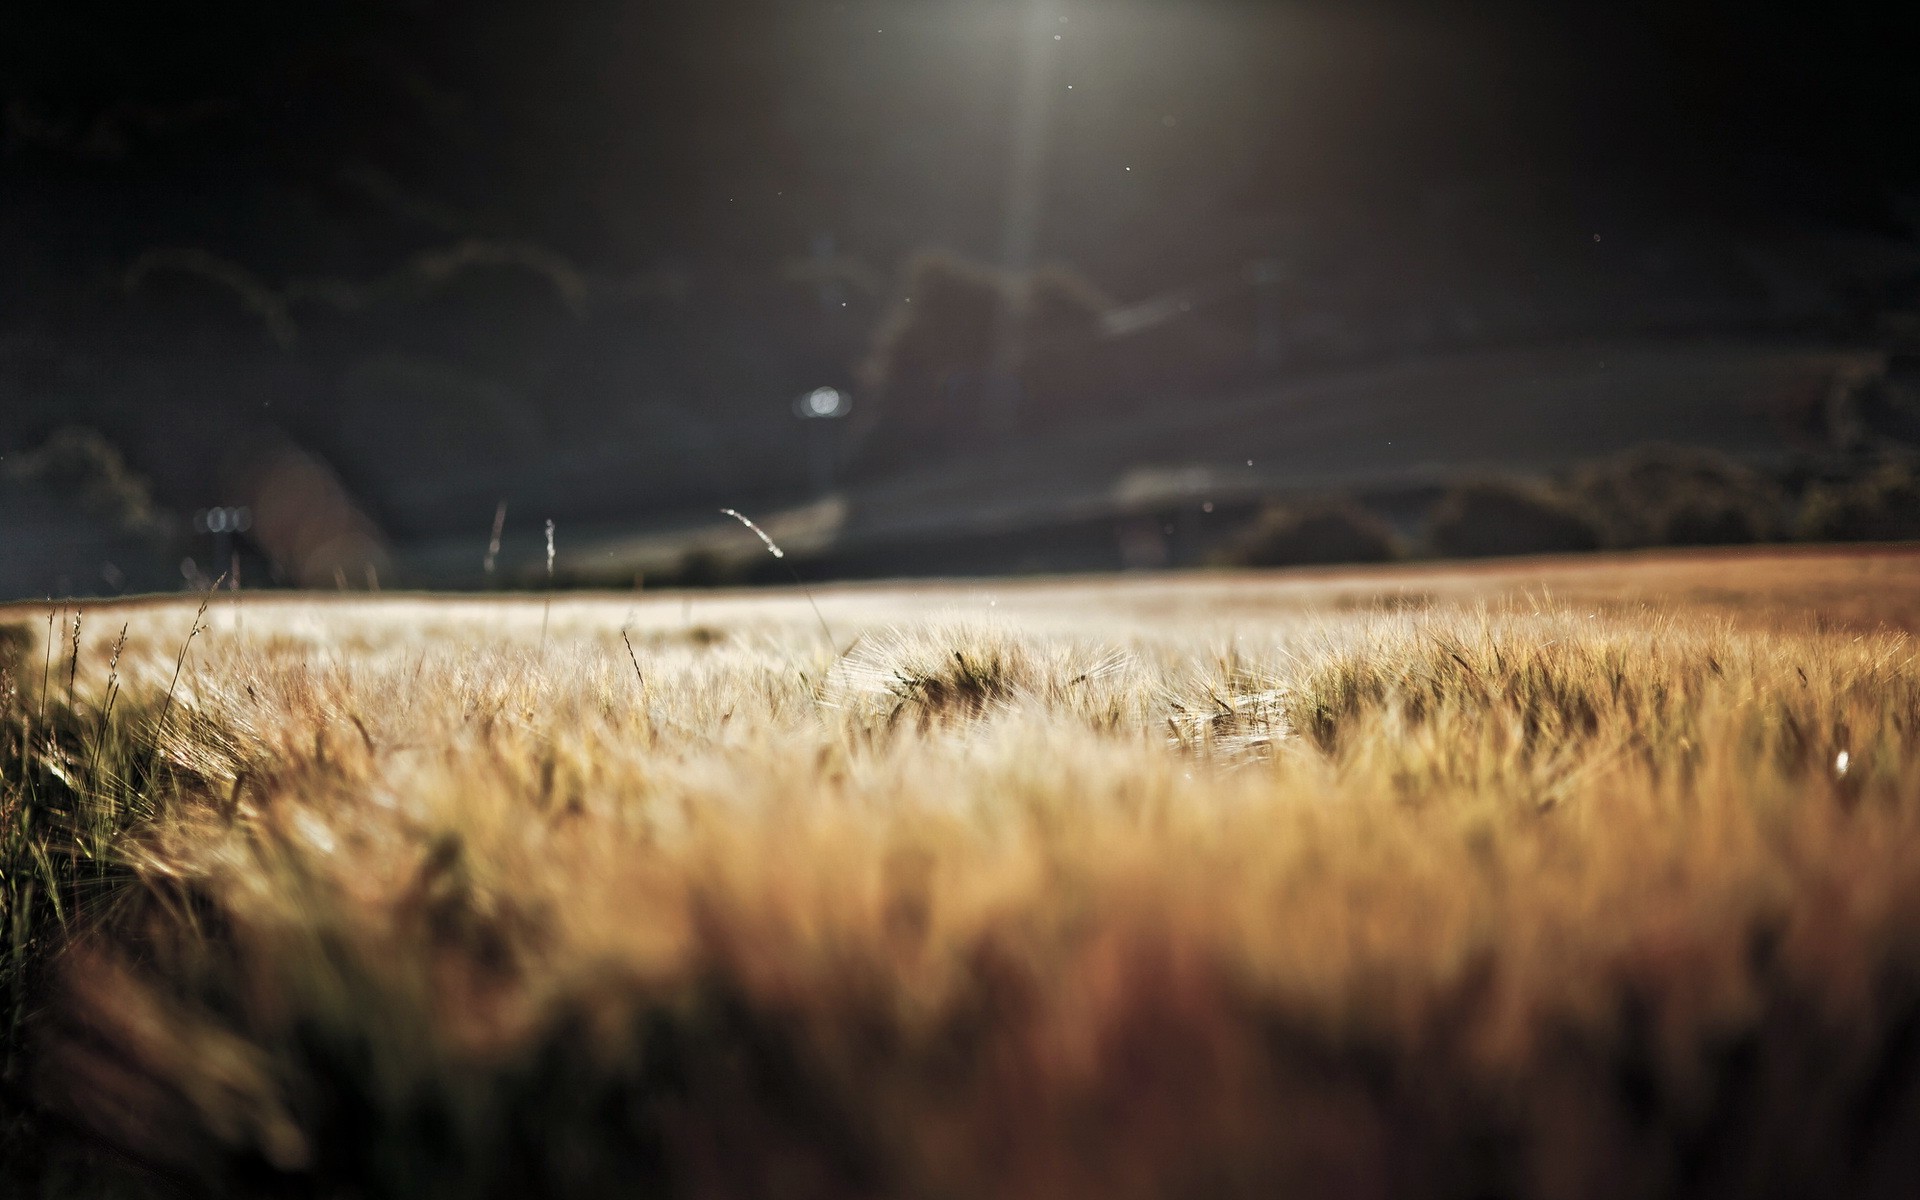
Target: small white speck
{"points": [[1249, 462], [1207, 507], [1056, 37], [1841, 762]]}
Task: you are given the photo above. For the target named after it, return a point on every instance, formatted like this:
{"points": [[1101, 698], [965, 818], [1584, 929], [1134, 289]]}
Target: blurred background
{"points": [[363, 294]]}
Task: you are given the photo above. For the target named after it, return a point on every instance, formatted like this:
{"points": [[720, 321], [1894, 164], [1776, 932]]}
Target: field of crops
{"points": [[1593, 878]]}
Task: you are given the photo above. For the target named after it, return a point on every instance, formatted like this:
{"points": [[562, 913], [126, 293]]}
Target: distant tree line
{"points": [[1656, 496]]}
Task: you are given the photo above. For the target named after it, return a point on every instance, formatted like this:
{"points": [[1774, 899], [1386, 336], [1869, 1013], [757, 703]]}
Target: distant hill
{"points": [[1052, 502]]}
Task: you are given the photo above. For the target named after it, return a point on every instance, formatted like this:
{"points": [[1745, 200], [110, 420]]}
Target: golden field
{"points": [[1583, 878]]}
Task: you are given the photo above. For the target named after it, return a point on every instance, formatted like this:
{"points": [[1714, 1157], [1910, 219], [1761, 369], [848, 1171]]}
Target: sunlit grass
{"points": [[1034, 893]]}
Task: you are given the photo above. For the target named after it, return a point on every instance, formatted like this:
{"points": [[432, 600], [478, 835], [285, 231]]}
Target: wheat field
{"points": [[1566, 879]]}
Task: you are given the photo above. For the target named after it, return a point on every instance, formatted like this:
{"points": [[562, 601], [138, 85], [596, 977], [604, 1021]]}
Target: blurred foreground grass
{"points": [[1558, 880]]}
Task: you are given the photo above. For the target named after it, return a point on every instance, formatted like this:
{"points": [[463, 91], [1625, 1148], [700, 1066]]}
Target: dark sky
{"points": [[633, 132], [683, 172]]}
